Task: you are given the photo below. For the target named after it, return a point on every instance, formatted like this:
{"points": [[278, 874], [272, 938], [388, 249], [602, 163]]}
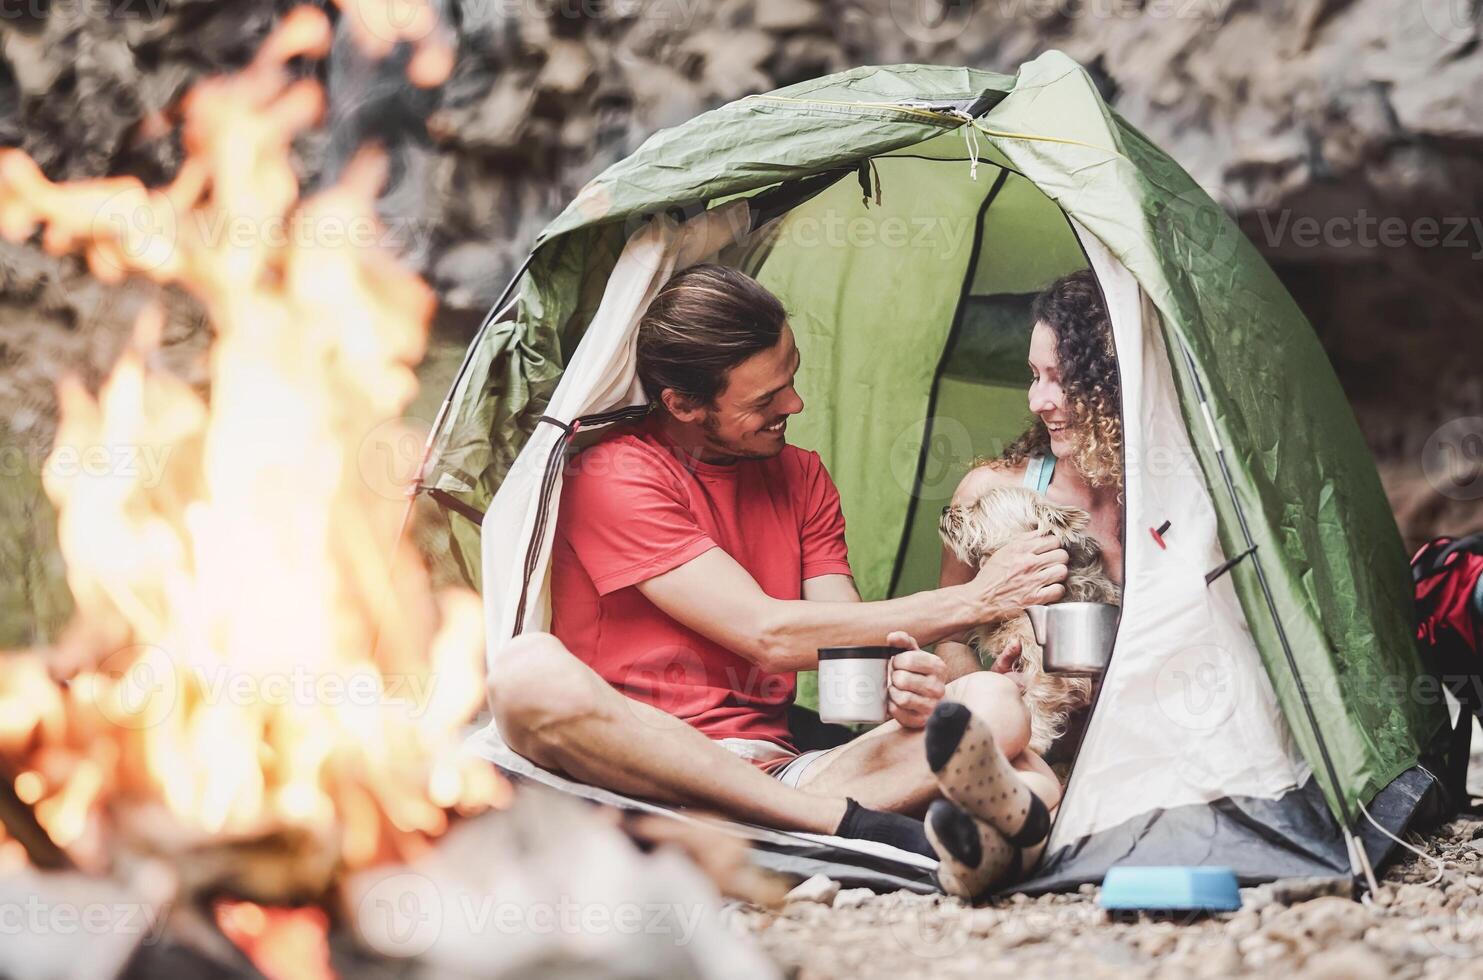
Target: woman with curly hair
{"points": [[1072, 452]]}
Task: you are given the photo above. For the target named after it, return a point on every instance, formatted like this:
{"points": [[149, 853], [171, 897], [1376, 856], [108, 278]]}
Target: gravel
{"points": [[1298, 929]]}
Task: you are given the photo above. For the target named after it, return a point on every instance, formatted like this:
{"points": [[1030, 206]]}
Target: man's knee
{"points": [[536, 686], [995, 699]]}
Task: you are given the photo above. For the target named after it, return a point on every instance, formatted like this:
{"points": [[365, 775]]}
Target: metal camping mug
{"points": [[1076, 636], [852, 684]]}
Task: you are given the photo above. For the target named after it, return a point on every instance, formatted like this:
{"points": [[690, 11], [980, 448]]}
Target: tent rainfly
{"points": [[1260, 708]]}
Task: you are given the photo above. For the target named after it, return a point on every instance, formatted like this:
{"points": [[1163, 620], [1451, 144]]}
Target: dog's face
{"points": [[976, 530]]}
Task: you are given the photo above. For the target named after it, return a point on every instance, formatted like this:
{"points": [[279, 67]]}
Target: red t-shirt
{"points": [[633, 508]]}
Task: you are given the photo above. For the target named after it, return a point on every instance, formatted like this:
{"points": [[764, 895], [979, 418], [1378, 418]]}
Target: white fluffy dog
{"points": [[975, 531]]}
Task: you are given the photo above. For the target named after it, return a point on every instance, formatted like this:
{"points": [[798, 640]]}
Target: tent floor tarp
{"points": [[1297, 828], [1293, 836], [852, 863]]}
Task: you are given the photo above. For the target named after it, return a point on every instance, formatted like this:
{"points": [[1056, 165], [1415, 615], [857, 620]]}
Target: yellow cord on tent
{"points": [[936, 117], [970, 137], [1040, 139]]}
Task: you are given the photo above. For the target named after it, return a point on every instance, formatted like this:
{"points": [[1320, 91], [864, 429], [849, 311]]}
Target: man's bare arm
{"points": [[831, 588], [955, 653], [717, 598]]}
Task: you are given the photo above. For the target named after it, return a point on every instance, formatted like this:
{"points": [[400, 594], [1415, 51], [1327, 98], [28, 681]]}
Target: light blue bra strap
{"points": [[1039, 471]]}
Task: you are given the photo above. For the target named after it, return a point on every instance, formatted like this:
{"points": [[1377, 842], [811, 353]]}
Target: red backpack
{"points": [[1448, 574]]}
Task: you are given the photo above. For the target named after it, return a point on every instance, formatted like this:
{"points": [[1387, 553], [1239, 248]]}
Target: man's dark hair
{"points": [[704, 321]]}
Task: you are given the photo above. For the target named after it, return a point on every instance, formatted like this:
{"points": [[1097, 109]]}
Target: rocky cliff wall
{"points": [[1344, 134]]}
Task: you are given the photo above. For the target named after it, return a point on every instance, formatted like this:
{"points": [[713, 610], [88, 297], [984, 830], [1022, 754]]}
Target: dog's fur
{"points": [[975, 531]]}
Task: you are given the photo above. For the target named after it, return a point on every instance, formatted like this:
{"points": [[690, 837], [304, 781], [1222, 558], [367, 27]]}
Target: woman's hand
{"points": [[1008, 663], [916, 681]]}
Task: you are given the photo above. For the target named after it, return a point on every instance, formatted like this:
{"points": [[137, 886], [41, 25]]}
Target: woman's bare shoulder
{"points": [[988, 476]]}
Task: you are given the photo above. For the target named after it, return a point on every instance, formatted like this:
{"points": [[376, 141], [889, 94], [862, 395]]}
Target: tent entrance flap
{"points": [[978, 402]]}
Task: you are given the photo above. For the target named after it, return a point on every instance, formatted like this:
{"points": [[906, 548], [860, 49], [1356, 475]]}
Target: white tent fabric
{"points": [[1186, 714], [601, 377]]}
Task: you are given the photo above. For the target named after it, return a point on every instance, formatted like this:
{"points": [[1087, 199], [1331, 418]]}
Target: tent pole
{"points": [[432, 434], [1359, 862], [468, 355]]}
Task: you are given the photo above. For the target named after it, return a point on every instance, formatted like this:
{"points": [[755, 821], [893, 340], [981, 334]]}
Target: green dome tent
{"points": [[1261, 709]]}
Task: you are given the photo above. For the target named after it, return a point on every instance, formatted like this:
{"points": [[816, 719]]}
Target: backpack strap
{"points": [[1433, 557]]}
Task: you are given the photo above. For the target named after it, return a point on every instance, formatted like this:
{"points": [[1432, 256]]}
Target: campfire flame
{"points": [[284, 944], [248, 650]]}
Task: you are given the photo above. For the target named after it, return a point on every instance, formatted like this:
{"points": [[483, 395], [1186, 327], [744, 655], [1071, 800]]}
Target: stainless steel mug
{"points": [[1076, 636]]}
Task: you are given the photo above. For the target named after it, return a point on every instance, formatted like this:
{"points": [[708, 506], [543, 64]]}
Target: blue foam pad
{"points": [[1154, 888]]}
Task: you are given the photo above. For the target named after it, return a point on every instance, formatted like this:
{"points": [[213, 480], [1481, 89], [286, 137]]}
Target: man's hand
{"points": [[1028, 571], [916, 681]]}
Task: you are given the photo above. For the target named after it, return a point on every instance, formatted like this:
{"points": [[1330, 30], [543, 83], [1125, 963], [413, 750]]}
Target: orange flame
{"points": [[283, 943], [244, 582]]}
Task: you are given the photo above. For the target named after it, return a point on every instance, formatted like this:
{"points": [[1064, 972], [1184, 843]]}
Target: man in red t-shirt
{"points": [[699, 563]]}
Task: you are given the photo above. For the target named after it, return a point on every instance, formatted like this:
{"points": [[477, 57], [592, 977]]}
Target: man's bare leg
{"points": [[556, 711], [886, 768]]}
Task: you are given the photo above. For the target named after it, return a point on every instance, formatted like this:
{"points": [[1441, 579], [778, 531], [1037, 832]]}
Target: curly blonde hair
{"points": [[1072, 308]]}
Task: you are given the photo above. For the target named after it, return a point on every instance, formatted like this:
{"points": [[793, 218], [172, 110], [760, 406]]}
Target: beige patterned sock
{"points": [[974, 774], [973, 857]]}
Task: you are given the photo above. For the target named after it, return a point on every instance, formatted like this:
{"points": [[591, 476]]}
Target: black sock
{"points": [[898, 830]]}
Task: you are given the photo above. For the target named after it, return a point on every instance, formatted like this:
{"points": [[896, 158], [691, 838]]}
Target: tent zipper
{"points": [[548, 481]]}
